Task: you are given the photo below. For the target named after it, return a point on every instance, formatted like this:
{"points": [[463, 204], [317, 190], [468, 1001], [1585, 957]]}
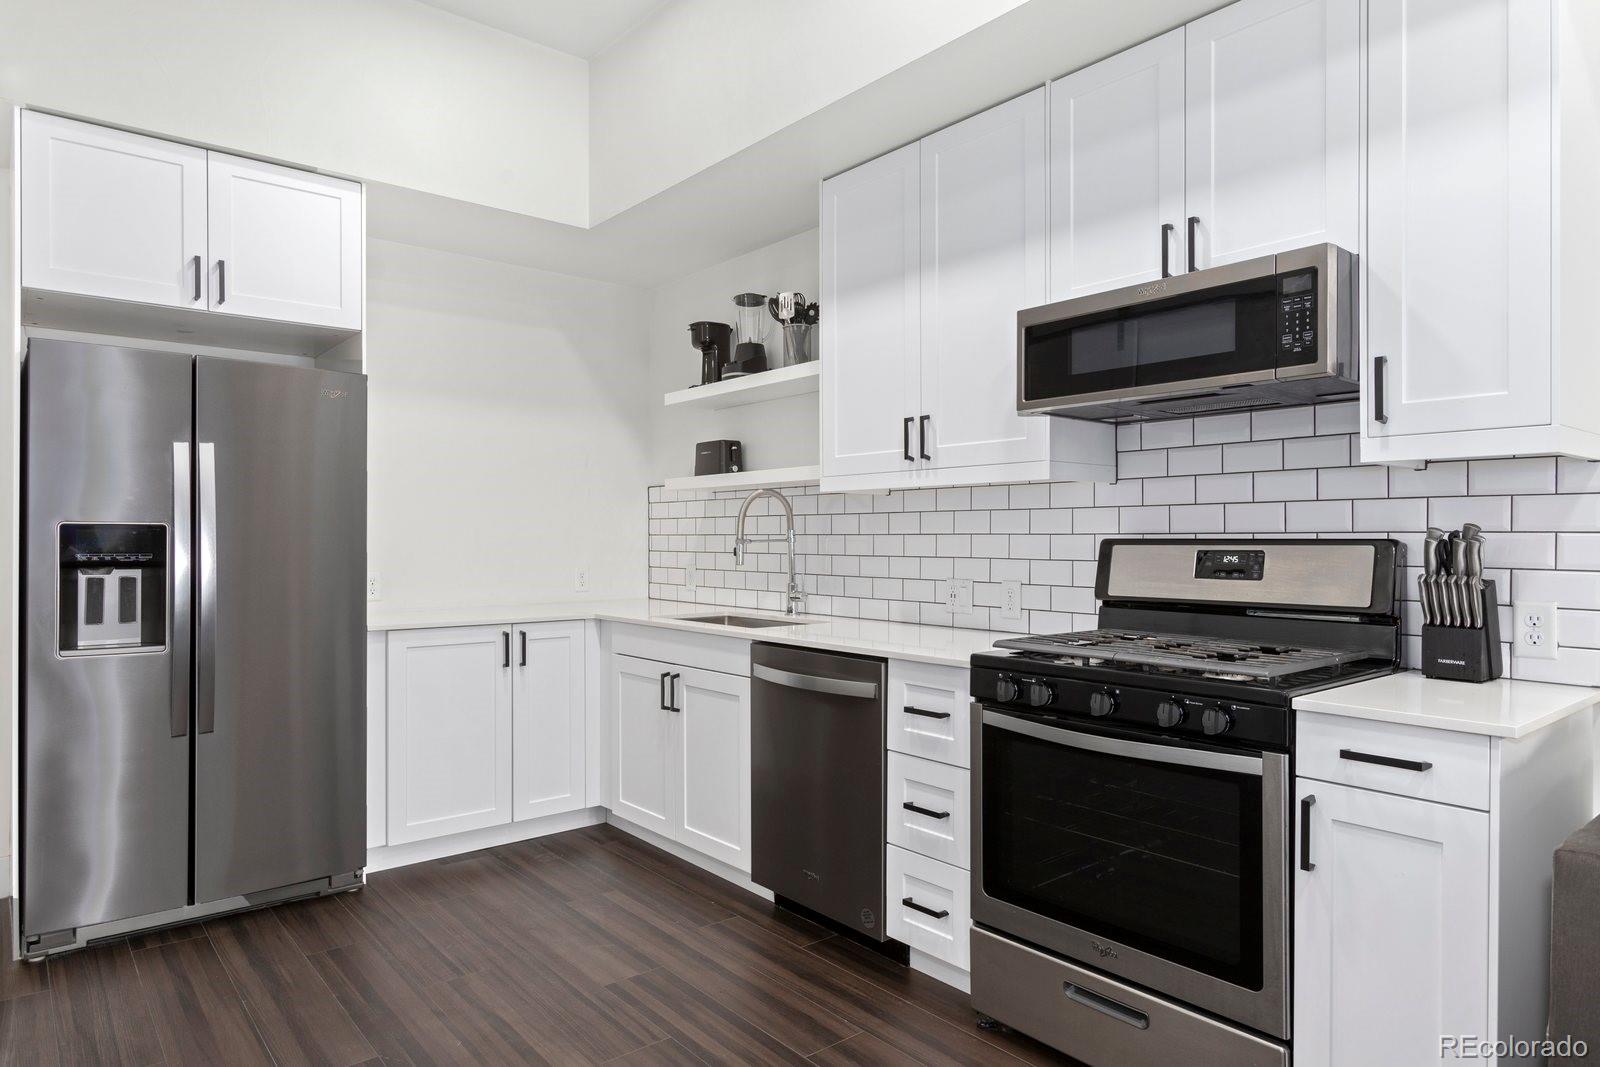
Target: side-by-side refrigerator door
{"points": [[105, 636], [280, 621]]}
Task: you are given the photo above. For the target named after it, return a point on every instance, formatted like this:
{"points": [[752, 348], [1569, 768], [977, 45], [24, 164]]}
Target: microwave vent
{"points": [[1198, 405]]}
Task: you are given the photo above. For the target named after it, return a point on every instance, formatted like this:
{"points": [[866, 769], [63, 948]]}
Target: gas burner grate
{"points": [[1188, 652]]}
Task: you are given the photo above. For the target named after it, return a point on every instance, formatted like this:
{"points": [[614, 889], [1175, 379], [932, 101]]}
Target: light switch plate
{"points": [[1010, 602], [1535, 630]]}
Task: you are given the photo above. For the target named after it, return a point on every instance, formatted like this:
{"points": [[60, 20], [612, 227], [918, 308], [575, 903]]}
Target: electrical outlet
{"points": [[374, 587], [580, 580], [1010, 601], [956, 594], [691, 577], [1535, 625]]}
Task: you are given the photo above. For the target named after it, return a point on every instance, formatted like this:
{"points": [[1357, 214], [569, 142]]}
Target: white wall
{"points": [[704, 79], [385, 90], [509, 431], [779, 433]]}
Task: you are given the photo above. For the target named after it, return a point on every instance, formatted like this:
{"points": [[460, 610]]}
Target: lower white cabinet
{"points": [[485, 727], [681, 743], [1394, 911], [930, 906], [449, 731], [930, 809]]}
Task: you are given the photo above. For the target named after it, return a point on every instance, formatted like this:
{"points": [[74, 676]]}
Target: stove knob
{"points": [[1102, 703], [1006, 691], [1036, 694], [1216, 721], [1170, 713]]}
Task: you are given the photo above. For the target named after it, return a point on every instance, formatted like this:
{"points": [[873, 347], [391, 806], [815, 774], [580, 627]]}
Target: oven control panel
{"points": [[1158, 711]]}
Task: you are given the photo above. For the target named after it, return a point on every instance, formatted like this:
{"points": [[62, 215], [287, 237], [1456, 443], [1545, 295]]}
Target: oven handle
{"points": [[1116, 746]]}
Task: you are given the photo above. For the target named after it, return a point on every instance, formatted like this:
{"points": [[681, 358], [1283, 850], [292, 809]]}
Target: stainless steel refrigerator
{"points": [[193, 696]]}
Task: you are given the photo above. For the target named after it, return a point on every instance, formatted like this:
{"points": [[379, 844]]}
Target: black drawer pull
{"points": [[1384, 761], [914, 906], [929, 812], [1306, 805], [909, 710]]}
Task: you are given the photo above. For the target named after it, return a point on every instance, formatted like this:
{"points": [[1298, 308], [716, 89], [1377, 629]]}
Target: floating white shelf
{"points": [[751, 389], [767, 479]]}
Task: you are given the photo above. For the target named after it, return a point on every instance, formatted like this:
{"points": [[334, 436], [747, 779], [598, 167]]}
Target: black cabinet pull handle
{"points": [[523, 634], [922, 436], [505, 648], [905, 440], [1306, 805], [1380, 371], [1384, 761], [661, 692], [222, 282], [914, 906], [1166, 248], [1194, 229], [929, 812], [909, 710], [197, 269], [672, 692]]}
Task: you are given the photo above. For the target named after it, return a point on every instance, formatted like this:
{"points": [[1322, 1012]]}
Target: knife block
{"points": [[1464, 654]]}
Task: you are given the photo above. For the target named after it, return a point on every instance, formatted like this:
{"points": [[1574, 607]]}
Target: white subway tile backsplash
{"points": [[1127, 437], [1288, 473]]}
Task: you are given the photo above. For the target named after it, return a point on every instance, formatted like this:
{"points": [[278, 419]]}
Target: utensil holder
{"points": [[1464, 653], [796, 344]]}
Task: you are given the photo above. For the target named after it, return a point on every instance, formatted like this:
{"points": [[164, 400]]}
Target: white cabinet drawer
{"points": [[930, 906], [928, 709], [930, 808], [1412, 761]]}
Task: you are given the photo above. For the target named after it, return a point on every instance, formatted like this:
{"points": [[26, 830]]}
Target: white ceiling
{"points": [[583, 29]]}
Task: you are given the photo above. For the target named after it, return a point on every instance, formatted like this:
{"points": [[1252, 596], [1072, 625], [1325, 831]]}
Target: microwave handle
{"points": [[1166, 248]]}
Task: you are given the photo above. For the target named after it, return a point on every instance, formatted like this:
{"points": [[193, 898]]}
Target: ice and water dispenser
{"points": [[113, 594]]}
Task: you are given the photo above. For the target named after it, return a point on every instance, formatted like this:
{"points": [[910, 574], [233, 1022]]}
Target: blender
{"points": [[749, 350]]}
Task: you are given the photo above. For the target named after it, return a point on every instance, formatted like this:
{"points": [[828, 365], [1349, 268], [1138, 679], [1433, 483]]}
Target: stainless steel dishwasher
{"points": [[817, 780]]}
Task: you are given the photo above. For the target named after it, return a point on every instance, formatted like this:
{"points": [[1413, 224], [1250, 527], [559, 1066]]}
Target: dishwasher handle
{"points": [[814, 683]]}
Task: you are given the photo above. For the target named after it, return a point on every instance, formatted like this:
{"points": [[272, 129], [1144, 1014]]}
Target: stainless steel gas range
{"points": [[1131, 890]]}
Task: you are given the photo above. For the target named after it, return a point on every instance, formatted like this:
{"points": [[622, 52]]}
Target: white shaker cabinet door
{"points": [[713, 775], [111, 214], [284, 244], [1391, 927], [1116, 170], [642, 744], [1458, 272], [1273, 128], [449, 731], [983, 259], [871, 286], [547, 699]]}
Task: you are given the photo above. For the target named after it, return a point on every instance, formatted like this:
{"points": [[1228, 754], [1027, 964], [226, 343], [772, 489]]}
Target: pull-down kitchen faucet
{"points": [[740, 540]]}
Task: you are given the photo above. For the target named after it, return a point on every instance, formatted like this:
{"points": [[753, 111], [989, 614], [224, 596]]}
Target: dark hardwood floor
{"points": [[590, 947]]}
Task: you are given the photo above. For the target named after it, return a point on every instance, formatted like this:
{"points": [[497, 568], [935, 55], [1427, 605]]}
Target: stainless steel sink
{"points": [[749, 621]]}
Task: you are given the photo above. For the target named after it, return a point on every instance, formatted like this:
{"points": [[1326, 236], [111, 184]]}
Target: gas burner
{"points": [[1215, 657]]}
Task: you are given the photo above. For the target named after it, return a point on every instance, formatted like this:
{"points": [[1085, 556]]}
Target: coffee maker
{"points": [[715, 342]]}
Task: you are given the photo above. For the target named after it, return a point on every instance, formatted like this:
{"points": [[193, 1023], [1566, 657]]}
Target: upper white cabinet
{"points": [[113, 214], [1273, 128], [449, 740], [285, 244], [119, 216], [928, 254], [871, 225], [1116, 171], [1479, 273], [547, 719]]}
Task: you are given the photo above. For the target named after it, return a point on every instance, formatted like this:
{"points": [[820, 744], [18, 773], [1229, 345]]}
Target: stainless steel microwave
{"points": [[1269, 332]]}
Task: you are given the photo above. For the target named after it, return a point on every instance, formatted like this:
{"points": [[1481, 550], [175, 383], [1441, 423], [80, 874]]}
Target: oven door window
{"points": [[1152, 855], [1228, 329]]}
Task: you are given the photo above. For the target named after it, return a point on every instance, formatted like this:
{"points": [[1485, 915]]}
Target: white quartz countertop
{"points": [[891, 640], [1502, 708]]}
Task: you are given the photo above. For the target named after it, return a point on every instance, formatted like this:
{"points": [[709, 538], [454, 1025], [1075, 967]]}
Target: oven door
{"points": [[1163, 864]]}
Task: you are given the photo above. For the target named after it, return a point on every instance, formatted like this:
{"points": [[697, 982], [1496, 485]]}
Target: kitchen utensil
{"points": [[796, 344], [1473, 577], [787, 308], [1458, 569], [1430, 577], [811, 314]]}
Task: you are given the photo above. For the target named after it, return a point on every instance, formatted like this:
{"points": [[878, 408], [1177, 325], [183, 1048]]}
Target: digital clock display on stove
{"points": [[1229, 564]]}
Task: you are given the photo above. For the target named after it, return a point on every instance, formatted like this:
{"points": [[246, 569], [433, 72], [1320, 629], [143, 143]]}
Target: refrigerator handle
{"points": [[179, 636], [206, 645]]}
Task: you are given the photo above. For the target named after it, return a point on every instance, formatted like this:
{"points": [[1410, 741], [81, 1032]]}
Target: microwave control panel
{"points": [[1297, 313]]}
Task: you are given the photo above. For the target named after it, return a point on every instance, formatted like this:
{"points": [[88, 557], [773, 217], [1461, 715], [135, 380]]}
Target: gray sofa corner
{"points": [[1575, 944]]}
